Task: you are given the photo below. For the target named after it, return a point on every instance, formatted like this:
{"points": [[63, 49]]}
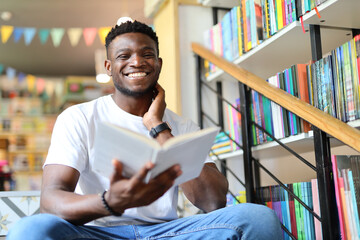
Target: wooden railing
{"points": [[318, 118]]}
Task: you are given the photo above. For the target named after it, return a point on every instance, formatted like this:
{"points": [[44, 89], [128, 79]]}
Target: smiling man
{"points": [[78, 203]]}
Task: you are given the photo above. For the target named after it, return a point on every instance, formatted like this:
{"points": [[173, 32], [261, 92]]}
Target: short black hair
{"points": [[131, 27]]}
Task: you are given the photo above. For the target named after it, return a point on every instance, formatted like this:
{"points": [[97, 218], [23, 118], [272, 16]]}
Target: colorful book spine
{"points": [[338, 195]]}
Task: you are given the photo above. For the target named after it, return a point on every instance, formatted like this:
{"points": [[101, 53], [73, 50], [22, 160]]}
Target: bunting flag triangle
{"points": [[10, 73], [21, 77], [1, 68], [74, 35], [44, 35], [89, 35], [40, 85], [18, 32], [57, 35], [29, 34], [103, 32], [6, 32], [30, 79]]}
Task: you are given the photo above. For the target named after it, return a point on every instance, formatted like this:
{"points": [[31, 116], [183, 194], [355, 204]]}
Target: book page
{"points": [[190, 151], [131, 148]]}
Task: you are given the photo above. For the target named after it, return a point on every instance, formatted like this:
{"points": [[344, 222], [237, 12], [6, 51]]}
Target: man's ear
{"points": [[107, 65], [160, 63]]}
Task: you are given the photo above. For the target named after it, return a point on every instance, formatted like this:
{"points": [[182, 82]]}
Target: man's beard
{"points": [[129, 93]]}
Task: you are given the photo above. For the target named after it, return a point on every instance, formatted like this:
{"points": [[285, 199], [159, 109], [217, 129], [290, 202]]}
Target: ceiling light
{"points": [[6, 15], [102, 78]]}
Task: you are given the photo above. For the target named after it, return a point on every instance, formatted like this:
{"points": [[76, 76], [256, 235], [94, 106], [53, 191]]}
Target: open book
{"points": [[134, 150]]}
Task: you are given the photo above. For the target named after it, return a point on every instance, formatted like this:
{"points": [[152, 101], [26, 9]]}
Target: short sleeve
{"points": [[68, 141]]}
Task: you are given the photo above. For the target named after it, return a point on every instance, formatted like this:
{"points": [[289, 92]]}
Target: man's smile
{"points": [[136, 74]]}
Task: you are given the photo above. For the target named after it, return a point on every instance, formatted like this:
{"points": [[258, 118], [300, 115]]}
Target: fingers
{"points": [[167, 178], [117, 174], [139, 177]]}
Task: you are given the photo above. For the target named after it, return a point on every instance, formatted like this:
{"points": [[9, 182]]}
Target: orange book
{"points": [[344, 207], [245, 43], [303, 91]]}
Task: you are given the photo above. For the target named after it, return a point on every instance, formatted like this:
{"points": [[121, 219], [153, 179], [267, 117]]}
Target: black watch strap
{"points": [[154, 132]]}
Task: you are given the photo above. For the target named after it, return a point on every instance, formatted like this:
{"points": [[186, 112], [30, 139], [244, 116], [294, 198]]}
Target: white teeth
{"points": [[138, 74]]}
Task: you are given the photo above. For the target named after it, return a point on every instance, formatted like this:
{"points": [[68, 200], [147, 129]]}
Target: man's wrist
{"points": [[155, 131], [107, 207]]}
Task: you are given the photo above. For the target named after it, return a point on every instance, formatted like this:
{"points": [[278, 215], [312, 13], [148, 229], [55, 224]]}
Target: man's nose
{"points": [[137, 61]]}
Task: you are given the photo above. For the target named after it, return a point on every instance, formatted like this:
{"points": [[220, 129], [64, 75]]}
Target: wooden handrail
{"points": [[318, 118]]}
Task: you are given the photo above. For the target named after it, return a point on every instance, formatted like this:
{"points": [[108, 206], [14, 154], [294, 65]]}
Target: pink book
{"points": [[315, 195], [338, 197]]}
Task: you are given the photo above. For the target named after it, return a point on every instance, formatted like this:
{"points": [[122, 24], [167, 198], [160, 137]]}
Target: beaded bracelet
{"points": [[107, 207]]}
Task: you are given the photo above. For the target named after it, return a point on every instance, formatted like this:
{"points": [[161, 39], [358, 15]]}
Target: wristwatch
{"points": [[154, 132]]}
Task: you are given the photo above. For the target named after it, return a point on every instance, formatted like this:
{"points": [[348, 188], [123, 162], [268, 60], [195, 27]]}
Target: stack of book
{"points": [[293, 215], [346, 171], [330, 84], [247, 25], [222, 144]]}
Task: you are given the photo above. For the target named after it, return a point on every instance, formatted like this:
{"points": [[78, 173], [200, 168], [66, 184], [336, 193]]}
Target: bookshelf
{"points": [[289, 46], [25, 133], [295, 48]]}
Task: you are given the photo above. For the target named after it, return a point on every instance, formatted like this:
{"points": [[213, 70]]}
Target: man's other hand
{"points": [[127, 193]]}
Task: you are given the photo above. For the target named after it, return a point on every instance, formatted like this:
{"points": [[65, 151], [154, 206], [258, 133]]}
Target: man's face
{"points": [[133, 64]]}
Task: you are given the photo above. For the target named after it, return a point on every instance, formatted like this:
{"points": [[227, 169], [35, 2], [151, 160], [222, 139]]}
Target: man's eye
{"points": [[149, 55], [123, 56]]}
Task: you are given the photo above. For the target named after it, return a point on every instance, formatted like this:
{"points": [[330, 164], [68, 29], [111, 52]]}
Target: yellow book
{"points": [[279, 14]]}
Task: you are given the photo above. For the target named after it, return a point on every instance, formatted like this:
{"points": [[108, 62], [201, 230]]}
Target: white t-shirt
{"points": [[72, 145]]}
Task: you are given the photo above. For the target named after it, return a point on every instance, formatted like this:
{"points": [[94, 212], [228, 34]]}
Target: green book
{"points": [[299, 212]]}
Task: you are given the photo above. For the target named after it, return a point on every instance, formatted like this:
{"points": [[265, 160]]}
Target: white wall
{"points": [[193, 21]]}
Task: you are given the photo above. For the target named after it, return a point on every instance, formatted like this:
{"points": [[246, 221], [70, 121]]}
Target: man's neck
{"points": [[134, 105]]}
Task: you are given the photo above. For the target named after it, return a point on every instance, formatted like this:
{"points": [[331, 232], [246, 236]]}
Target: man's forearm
{"points": [[208, 191], [77, 209]]}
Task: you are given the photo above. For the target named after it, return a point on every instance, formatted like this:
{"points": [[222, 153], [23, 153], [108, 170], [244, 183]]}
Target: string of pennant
{"points": [[56, 34], [30, 82]]}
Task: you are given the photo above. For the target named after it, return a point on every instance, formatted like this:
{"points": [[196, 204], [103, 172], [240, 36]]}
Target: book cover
{"points": [[245, 25], [266, 103], [238, 106], [287, 88], [357, 55], [354, 76], [240, 24], [231, 126], [189, 150], [292, 212], [338, 196], [279, 14], [285, 114], [311, 206], [299, 212], [316, 207], [304, 198], [226, 31], [303, 90], [237, 136], [338, 86], [285, 202], [347, 233], [348, 201], [355, 168], [235, 35], [354, 205], [309, 74], [351, 113]]}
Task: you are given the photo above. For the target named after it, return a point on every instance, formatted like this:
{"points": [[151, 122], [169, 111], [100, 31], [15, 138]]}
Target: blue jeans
{"points": [[243, 221]]}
